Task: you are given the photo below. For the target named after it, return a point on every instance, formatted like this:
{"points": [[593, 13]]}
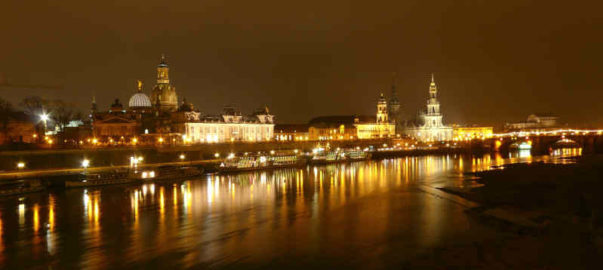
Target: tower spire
{"points": [[433, 90]]}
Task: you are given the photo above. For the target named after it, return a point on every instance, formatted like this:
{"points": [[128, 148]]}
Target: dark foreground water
{"points": [[361, 215]]}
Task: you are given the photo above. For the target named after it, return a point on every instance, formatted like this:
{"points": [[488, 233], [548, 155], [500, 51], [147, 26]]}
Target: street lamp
{"points": [[20, 165], [44, 118], [182, 157], [85, 164]]}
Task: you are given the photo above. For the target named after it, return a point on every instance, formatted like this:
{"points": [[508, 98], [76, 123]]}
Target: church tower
{"points": [[93, 109], [382, 113], [433, 117], [394, 107], [164, 94]]}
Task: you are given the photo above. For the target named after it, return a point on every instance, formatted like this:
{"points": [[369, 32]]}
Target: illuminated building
{"points": [[429, 126], [164, 94], [140, 101], [469, 133], [338, 127], [382, 127], [229, 126], [116, 122], [165, 122], [291, 132], [534, 122], [349, 127]]}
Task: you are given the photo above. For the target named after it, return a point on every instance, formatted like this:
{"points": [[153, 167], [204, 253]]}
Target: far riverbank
{"points": [[68, 161]]}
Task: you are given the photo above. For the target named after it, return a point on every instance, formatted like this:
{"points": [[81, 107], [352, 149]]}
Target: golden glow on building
{"points": [[471, 133]]}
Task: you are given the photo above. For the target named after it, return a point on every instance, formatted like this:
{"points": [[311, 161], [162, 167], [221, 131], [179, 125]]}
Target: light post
{"points": [[85, 164], [44, 117]]}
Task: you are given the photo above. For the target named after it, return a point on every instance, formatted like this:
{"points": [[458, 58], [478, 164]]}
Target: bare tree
{"points": [[62, 113], [34, 105]]}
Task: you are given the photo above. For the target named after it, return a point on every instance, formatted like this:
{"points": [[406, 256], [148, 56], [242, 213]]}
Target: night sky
{"points": [[494, 61]]}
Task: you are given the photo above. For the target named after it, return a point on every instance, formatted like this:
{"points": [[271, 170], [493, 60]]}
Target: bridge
{"points": [[541, 142]]}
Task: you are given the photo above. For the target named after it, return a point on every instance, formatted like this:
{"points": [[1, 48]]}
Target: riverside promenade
{"points": [[53, 162]]}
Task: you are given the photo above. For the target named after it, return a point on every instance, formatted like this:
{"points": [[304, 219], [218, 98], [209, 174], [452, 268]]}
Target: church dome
{"points": [[139, 100]]}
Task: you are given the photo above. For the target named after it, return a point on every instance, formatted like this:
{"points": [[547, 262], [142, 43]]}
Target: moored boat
{"points": [[21, 187], [358, 155], [325, 157], [339, 156], [166, 173], [253, 163], [99, 179]]}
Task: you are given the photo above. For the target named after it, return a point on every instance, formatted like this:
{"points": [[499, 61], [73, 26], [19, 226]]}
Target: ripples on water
{"points": [[251, 217]]}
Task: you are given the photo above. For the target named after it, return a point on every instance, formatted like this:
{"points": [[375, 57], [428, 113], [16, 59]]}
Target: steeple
{"points": [[163, 71], [433, 89], [139, 88], [164, 95], [93, 108], [394, 104], [433, 105], [382, 112], [162, 62]]}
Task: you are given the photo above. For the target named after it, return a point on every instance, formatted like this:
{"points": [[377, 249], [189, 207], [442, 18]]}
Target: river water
{"points": [[372, 214]]}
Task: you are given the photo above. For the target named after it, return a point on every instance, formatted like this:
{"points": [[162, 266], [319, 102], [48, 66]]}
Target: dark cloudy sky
{"points": [[495, 61]]}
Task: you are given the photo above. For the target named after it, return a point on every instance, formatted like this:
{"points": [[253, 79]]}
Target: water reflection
{"points": [[520, 154], [254, 216], [566, 152]]}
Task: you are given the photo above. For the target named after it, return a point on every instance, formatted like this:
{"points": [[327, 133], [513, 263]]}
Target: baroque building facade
{"points": [[229, 126], [351, 127], [382, 127], [160, 116], [429, 125]]}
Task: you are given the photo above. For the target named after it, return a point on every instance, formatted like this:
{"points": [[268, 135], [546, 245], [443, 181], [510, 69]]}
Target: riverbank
{"points": [[560, 204], [52, 162]]}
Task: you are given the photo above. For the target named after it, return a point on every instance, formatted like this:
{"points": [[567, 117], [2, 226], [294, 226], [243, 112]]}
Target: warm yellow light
{"points": [[20, 165], [134, 140], [44, 117], [85, 163], [217, 155], [182, 156], [160, 139]]}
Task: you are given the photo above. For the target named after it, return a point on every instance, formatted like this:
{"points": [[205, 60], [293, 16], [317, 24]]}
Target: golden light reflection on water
{"points": [[250, 213], [567, 152]]}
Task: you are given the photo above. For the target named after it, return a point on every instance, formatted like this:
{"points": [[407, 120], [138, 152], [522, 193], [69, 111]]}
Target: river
{"points": [[370, 215]]}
